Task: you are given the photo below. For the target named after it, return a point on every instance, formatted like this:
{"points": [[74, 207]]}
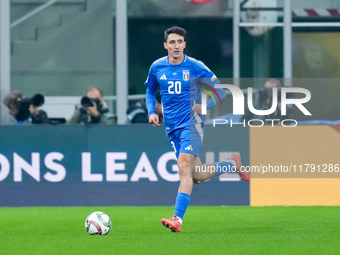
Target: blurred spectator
{"points": [[265, 102], [93, 109], [24, 110], [138, 113], [266, 98]]}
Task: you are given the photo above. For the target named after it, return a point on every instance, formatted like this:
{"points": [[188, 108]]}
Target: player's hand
{"points": [[154, 120], [197, 108]]}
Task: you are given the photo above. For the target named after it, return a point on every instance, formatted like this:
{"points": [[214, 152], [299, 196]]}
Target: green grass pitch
{"points": [[206, 230]]}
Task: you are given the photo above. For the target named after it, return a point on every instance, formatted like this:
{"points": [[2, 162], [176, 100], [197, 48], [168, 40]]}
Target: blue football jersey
{"points": [[178, 95]]}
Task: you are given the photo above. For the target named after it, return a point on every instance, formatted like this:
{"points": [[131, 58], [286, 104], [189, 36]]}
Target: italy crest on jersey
{"points": [[186, 75]]}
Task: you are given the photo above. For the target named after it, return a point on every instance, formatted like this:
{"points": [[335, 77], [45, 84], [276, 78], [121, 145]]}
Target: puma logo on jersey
{"points": [[163, 77], [189, 148]]}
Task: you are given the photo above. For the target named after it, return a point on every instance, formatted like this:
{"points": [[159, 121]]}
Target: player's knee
{"points": [[183, 168]]}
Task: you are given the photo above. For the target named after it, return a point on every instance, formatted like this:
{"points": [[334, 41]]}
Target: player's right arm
{"points": [[154, 120], [150, 97]]}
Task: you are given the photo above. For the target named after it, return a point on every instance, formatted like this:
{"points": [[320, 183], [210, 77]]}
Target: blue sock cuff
{"points": [[182, 202], [222, 167], [184, 195]]}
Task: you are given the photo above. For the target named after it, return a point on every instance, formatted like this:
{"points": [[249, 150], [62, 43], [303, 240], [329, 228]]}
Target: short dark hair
{"points": [[174, 30]]}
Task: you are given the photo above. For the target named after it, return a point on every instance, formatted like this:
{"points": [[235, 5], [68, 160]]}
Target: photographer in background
{"points": [[266, 98], [24, 110], [265, 101], [93, 109]]}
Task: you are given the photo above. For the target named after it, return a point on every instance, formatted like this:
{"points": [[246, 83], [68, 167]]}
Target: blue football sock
{"points": [[224, 167], [182, 202]]}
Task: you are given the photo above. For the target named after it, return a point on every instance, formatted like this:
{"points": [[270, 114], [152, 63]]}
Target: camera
{"points": [[266, 96], [88, 102], [36, 100]]}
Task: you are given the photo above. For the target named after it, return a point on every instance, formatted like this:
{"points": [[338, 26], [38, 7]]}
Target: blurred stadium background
{"points": [[60, 48]]}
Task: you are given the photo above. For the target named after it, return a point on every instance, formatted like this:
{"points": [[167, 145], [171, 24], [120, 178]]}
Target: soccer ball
{"points": [[98, 223]]}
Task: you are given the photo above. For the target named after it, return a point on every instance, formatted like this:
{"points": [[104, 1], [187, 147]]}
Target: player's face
{"points": [[175, 45]]}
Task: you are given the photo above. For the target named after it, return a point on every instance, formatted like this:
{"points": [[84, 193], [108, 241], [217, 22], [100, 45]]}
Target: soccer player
{"points": [[184, 124]]}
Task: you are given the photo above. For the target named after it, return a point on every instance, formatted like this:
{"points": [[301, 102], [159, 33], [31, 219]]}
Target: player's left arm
{"points": [[210, 78], [211, 101]]}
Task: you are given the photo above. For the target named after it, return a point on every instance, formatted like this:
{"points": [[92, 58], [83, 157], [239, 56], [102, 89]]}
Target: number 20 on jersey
{"points": [[174, 87]]}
